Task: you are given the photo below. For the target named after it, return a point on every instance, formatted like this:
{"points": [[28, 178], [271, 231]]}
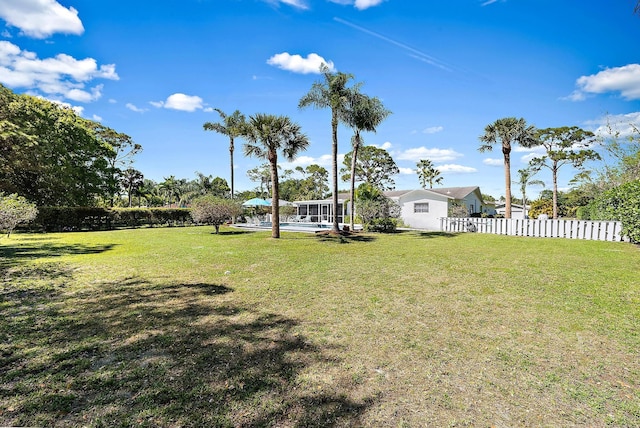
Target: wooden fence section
{"points": [[570, 229]]}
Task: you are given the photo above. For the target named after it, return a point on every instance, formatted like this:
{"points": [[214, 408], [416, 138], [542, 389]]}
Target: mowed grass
{"points": [[181, 327]]}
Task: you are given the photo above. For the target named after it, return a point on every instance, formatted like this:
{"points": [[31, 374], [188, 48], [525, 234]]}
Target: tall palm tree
{"points": [[170, 187], [331, 93], [363, 113], [266, 135], [132, 180], [231, 126], [427, 173], [506, 131], [524, 180]]}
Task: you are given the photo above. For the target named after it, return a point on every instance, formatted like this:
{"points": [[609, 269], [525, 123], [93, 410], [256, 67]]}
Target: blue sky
{"points": [[446, 69]]}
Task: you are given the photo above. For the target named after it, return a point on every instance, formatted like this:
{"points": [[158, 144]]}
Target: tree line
{"points": [[53, 157], [268, 136]]}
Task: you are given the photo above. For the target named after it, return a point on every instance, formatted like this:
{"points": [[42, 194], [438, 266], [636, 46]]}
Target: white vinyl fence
{"points": [[570, 229]]}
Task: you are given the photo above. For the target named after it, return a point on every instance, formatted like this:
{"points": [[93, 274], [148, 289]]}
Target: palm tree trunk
{"points": [[334, 167], [555, 192], [507, 182], [356, 146], [231, 148], [275, 197]]}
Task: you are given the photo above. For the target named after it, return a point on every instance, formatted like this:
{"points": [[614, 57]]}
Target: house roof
{"points": [[456, 192], [396, 193], [502, 205], [449, 192], [342, 197]]}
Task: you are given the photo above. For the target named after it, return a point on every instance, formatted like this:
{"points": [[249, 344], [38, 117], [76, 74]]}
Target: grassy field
{"points": [[181, 327]]}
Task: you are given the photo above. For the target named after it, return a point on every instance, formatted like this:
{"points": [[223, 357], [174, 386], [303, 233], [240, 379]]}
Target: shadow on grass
{"points": [[346, 238], [140, 353], [13, 254], [430, 235], [23, 276], [234, 232]]}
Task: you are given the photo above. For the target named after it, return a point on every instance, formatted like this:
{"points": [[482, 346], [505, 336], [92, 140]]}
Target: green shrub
{"points": [[132, 217], [61, 219], [215, 211], [384, 225], [14, 210], [541, 206], [622, 203]]}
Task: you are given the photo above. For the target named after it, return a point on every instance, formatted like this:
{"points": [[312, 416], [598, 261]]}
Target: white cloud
{"points": [[519, 149], [365, 4], [456, 169], [435, 155], [295, 3], [575, 96], [303, 160], [83, 96], [407, 171], [132, 107], [433, 130], [40, 18], [625, 80], [493, 162], [298, 4], [385, 146], [324, 160], [62, 75], [359, 4], [96, 118], [622, 125], [526, 158], [180, 102], [298, 64]]}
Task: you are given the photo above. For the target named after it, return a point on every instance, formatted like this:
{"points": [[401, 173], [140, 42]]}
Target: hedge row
{"points": [[60, 219], [622, 203]]}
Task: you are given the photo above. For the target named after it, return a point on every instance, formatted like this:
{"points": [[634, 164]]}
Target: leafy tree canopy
{"points": [[214, 210], [563, 146], [428, 174], [374, 166], [52, 156], [14, 210]]}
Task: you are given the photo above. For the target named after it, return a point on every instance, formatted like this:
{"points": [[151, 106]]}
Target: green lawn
{"points": [[181, 327]]}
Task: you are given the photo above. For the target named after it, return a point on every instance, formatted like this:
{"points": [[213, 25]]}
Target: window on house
{"points": [[422, 207]]}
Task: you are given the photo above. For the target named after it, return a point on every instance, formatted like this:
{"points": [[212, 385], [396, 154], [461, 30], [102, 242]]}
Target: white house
{"points": [[423, 208], [419, 209], [469, 197], [517, 211], [321, 211]]}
